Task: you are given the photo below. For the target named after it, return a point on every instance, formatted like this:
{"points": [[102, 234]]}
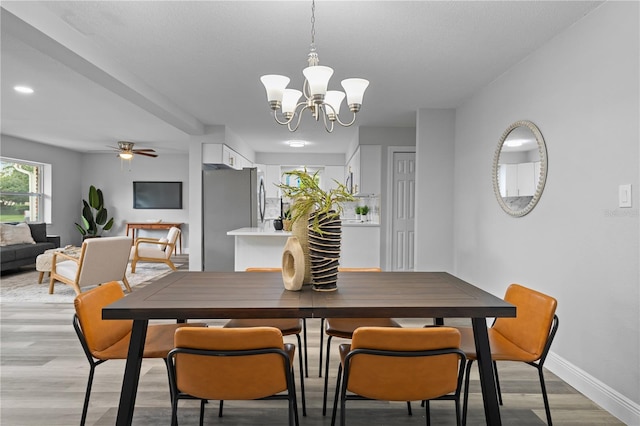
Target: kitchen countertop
{"points": [[259, 232]]}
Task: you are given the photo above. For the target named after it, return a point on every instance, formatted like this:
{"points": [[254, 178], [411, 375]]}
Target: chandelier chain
{"points": [[313, 25]]}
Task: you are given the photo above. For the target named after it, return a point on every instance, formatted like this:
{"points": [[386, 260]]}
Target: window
{"points": [[22, 191]]}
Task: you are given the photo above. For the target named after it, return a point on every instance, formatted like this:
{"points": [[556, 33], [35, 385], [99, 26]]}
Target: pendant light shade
{"points": [[275, 85], [355, 87], [318, 77]]}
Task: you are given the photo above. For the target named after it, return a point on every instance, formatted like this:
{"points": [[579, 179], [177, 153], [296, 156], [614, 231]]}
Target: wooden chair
{"points": [[231, 364], [525, 338], [400, 364], [344, 328], [101, 260], [288, 327], [103, 340], [154, 250]]}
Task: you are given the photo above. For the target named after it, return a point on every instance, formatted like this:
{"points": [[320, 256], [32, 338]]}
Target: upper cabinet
{"points": [[219, 153], [364, 170], [518, 180]]}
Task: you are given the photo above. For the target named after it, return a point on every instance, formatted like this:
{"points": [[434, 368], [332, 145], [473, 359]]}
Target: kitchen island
{"points": [[262, 247]]}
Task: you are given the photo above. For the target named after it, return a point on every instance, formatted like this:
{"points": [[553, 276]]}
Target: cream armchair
{"points": [[101, 260], [154, 249]]}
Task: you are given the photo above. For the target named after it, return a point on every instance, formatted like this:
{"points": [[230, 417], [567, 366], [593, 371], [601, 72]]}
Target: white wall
{"points": [[115, 178], [66, 185], [582, 90], [434, 190]]}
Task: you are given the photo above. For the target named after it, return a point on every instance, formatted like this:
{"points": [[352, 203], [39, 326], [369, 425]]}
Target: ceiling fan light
{"points": [[318, 77], [275, 86], [126, 155], [355, 88]]}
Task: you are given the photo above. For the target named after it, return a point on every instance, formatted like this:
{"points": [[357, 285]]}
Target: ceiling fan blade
{"points": [[147, 154], [144, 150]]}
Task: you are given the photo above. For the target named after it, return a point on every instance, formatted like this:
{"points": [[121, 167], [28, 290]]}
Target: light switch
{"points": [[624, 195]]}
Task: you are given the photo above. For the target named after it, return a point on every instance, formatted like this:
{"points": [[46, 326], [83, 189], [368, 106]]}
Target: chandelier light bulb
{"points": [[275, 85], [355, 87]]}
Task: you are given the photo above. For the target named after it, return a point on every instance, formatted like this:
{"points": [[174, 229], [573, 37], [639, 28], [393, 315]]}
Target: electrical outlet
{"points": [[624, 195]]}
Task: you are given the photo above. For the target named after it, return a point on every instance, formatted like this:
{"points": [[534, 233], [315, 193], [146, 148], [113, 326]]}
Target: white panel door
{"points": [[403, 213]]}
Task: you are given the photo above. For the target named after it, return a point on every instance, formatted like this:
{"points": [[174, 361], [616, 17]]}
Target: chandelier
{"points": [[317, 99]]}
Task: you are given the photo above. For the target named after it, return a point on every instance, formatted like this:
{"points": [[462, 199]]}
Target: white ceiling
{"points": [[157, 72]]}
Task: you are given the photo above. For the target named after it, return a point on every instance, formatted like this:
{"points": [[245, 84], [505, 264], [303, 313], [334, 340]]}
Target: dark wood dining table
{"points": [[212, 295]]}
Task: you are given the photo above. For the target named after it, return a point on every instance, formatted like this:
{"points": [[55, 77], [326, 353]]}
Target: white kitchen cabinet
{"points": [[519, 180], [366, 167], [360, 246], [219, 153]]}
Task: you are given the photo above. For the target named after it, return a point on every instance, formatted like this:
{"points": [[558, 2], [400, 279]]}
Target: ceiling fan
{"points": [[126, 151]]}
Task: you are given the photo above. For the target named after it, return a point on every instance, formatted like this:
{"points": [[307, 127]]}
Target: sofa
{"points": [[21, 243]]}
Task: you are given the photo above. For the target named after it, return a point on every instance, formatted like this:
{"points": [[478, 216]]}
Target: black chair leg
{"points": [[202, 402], [495, 375], [335, 398], [306, 357], [220, 408], [87, 395], [326, 377], [304, 402], [427, 411], [321, 339], [409, 408], [545, 398], [466, 393]]}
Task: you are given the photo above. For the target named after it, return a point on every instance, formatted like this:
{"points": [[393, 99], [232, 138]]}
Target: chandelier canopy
{"points": [[320, 101]]}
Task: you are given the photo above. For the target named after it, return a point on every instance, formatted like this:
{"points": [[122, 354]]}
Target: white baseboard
{"points": [[609, 399]]}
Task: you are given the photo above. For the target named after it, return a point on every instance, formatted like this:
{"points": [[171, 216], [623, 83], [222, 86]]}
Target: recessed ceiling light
{"points": [[23, 89], [296, 143]]}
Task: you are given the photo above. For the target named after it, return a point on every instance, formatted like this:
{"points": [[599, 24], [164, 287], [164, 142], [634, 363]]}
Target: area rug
{"points": [[23, 287]]}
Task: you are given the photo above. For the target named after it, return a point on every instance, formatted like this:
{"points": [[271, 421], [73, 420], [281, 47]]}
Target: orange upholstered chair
{"points": [[288, 327], [344, 328], [401, 364], [525, 338], [231, 364], [103, 340]]}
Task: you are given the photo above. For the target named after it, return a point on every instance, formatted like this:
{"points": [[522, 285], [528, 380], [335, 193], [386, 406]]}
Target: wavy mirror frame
{"points": [[542, 178]]}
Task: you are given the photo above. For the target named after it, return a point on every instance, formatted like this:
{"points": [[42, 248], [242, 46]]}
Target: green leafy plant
{"points": [[364, 210], [94, 215], [358, 210], [308, 197]]}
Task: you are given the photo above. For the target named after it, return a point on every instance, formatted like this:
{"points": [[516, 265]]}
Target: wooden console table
{"points": [[154, 225]]}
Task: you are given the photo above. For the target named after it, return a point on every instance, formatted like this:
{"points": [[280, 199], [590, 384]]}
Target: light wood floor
{"points": [[44, 372]]}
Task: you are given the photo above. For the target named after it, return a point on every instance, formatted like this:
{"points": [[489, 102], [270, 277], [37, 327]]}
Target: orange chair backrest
{"points": [[404, 378], [100, 334], [230, 377], [530, 328]]}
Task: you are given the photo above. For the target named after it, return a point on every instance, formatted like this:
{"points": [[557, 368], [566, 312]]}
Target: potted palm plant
{"points": [[323, 227], [95, 217]]}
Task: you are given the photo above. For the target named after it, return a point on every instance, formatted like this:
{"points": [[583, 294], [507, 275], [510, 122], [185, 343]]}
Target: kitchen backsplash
{"points": [[272, 210]]}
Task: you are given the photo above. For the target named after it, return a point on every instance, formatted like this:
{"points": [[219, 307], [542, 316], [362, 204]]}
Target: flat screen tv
{"points": [[157, 195]]}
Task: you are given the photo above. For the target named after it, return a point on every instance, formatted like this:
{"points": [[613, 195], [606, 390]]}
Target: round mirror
{"points": [[520, 168]]}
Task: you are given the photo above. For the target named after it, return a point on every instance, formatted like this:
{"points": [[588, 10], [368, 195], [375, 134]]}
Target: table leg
{"points": [[485, 366], [132, 373]]}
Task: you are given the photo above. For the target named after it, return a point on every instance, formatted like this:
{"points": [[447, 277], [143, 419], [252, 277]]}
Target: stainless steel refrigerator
{"points": [[231, 199]]}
